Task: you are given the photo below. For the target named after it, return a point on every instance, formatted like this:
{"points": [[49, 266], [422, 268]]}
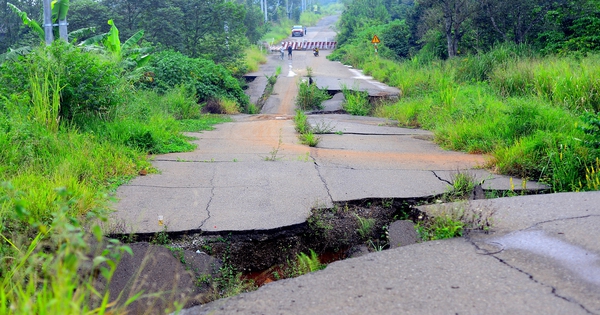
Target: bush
{"points": [[91, 85], [209, 80], [310, 96], [357, 102]]}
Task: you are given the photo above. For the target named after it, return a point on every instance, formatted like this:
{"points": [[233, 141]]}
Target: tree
{"points": [[450, 16], [514, 19], [88, 13], [214, 31]]}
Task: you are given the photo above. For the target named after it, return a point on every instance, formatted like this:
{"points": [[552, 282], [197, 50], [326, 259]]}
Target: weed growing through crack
{"points": [[440, 227], [321, 127], [310, 263], [309, 139], [356, 102], [161, 237], [463, 184], [307, 136], [309, 95], [275, 151], [365, 226], [230, 281]]}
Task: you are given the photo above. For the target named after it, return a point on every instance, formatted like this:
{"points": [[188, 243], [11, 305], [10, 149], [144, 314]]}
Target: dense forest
{"points": [[448, 28]]}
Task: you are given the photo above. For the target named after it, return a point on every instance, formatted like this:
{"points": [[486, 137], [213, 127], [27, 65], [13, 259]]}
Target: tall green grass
{"points": [[522, 110], [53, 269], [56, 176], [254, 57]]}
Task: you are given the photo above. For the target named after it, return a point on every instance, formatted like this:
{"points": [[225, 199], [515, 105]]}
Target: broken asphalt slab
{"points": [[540, 257], [252, 174]]}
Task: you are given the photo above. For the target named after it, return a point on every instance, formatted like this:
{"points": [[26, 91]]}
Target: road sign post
{"points": [[375, 41]]}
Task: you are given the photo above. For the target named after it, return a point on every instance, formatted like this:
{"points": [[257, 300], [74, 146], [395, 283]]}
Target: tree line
{"points": [[213, 29], [449, 28]]}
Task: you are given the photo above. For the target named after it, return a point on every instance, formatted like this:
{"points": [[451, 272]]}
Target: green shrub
{"points": [[356, 102], [209, 80], [90, 84], [310, 96]]}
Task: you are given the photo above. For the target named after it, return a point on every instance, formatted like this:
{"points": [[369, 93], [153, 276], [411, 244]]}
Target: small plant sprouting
{"points": [[322, 127], [365, 226], [161, 238], [307, 136], [440, 227], [308, 264], [463, 184], [275, 151]]}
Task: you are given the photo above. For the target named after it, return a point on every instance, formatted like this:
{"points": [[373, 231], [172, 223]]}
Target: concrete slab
{"points": [[494, 182], [333, 104], [352, 184], [222, 196], [348, 124], [441, 277], [540, 257], [256, 88]]}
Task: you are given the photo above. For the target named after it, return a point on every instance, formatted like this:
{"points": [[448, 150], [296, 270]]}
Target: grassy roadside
{"points": [[537, 117], [60, 160]]}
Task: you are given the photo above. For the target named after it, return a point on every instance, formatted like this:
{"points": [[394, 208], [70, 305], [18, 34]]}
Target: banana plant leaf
{"points": [[59, 9], [112, 41], [27, 21], [129, 43]]}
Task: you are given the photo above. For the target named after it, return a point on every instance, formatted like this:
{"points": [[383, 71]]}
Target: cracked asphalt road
{"points": [[227, 184], [541, 257]]}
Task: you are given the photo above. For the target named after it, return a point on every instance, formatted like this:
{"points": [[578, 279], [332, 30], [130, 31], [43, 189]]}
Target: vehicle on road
{"points": [[297, 30]]}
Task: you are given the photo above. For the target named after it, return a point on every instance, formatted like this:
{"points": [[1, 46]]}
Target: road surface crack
{"points": [[530, 276], [212, 194], [443, 180], [318, 169]]}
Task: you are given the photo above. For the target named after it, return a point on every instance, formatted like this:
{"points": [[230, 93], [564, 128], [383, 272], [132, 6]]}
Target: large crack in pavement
{"points": [[553, 289], [317, 168], [441, 179], [212, 195], [530, 277]]}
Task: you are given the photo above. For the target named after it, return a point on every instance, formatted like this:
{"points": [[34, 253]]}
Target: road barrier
{"points": [[305, 45]]}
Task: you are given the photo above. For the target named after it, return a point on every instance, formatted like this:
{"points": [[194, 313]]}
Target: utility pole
{"points": [[48, 23], [266, 18], [62, 30]]}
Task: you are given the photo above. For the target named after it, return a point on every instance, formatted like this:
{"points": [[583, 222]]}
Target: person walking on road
{"points": [[289, 52], [282, 52]]}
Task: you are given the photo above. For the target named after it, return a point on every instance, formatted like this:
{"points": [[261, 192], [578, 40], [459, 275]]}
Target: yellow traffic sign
{"points": [[375, 40]]}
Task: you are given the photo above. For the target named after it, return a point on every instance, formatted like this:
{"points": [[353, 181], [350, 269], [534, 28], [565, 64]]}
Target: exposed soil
{"points": [[185, 274]]}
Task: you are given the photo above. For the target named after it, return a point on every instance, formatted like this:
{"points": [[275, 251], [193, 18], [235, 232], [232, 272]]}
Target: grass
{"points": [[463, 184], [356, 102], [279, 32], [46, 270], [56, 180], [307, 136], [253, 58], [309, 95], [528, 113], [365, 227], [439, 228]]}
